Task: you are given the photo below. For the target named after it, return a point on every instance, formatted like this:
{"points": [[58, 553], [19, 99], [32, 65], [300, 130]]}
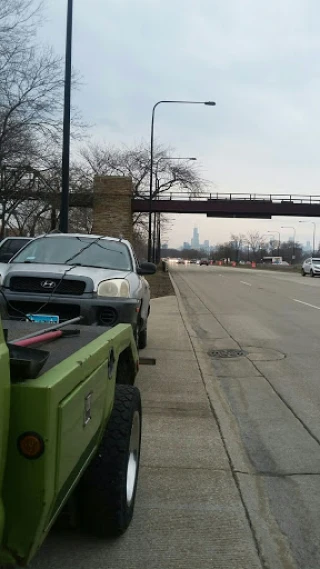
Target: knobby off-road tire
{"points": [[106, 493]]}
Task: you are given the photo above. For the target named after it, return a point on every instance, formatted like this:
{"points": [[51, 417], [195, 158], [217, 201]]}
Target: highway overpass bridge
{"points": [[234, 205], [30, 184]]}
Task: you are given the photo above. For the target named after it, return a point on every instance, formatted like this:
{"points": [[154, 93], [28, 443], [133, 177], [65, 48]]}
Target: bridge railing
{"points": [[218, 196]]}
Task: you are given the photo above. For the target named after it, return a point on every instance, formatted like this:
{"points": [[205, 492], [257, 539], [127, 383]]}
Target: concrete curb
{"points": [[229, 431]]}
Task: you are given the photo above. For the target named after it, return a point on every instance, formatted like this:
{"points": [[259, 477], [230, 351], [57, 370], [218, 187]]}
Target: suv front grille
{"points": [[38, 285]]}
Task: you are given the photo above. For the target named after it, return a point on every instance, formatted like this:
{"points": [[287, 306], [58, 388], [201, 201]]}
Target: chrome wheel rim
{"points": [[133, 462]]}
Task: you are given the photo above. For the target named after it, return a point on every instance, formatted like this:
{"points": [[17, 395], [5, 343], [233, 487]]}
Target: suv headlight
{"points": [[116, 288]]}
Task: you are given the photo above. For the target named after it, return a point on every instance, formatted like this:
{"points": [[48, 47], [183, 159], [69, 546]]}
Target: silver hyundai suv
{"points": [[63, 276], [311, 267]]}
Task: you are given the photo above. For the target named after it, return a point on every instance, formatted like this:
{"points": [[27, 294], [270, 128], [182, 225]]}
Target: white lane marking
{"points": [[306, 303], [245, 283]]}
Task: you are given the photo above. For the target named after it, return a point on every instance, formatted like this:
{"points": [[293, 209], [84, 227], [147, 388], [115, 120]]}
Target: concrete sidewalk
{"points": [[189, 513]]}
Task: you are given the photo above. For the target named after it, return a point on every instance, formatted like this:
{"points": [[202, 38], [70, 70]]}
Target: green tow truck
{"points": [[69, 436]]}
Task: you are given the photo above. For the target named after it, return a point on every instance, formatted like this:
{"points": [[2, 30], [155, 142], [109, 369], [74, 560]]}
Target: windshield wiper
{"points": [[108, 249], [99, 267], [83, 249]]}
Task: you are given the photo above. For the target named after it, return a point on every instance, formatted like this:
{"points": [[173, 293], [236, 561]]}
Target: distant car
{"points": [[204, 262], [180, 262], [10, 246], [311, 267], [193, 262]]}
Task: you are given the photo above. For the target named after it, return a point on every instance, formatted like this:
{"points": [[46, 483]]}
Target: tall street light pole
{"points": [[294, 239], [278, 240], [207, 103], [313, 235], [64, 208]]}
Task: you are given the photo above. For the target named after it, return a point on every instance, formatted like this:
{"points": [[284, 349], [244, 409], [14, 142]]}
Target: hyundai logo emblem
{"points": [[50, 285]]}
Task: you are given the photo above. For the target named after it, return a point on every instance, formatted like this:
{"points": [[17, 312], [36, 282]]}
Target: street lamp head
{"points": [[210, 103], [168, 158]]}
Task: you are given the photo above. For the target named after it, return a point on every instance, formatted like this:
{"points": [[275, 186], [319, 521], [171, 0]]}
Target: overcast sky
{"points": [[259, 61]]}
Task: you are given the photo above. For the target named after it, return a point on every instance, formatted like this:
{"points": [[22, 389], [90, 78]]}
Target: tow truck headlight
{"points": [[116, 288]]}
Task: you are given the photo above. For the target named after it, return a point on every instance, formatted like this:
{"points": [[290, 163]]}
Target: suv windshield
{"points": [[315, 260], [83, 251]]}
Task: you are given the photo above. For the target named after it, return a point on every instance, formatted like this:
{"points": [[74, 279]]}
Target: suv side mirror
{"points": [[147, 269]]}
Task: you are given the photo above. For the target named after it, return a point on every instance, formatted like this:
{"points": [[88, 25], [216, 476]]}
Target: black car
{"points": [[10, 246]]}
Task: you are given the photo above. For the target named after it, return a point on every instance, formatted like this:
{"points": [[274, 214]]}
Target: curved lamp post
{"points": [[313, 235], [175, 102]]}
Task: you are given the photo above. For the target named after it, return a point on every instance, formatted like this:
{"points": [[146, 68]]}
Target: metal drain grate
{"points": [[217, 354]]}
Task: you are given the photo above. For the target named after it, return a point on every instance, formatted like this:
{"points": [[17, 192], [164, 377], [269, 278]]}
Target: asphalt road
{"points": [[271, 396]]}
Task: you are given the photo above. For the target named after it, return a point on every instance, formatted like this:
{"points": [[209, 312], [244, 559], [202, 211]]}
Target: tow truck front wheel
{"points": [[106, 493]]}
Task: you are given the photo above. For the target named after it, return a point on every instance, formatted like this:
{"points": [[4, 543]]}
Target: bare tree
{"points": [[135, 163], [237, 242], [31, 105], [257, 243], [18, 22], [30, 217]]}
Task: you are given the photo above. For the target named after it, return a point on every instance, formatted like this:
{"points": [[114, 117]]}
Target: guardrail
{"points": [[217, 196]]}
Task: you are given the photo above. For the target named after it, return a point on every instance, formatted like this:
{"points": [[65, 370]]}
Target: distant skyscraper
{"points": [[186, 245], [308, 246], [195, 241]]}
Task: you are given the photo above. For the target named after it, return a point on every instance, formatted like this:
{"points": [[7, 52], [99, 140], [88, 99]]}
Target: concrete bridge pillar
{"points": [[112, 211]]}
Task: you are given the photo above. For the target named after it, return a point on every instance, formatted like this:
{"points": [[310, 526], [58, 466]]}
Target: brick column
{"points": [[112, 213]]}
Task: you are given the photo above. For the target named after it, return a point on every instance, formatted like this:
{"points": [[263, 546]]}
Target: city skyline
{"points": [[195, 244], [219, 231]]}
